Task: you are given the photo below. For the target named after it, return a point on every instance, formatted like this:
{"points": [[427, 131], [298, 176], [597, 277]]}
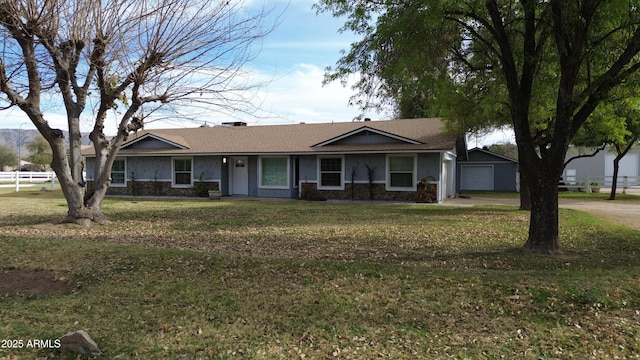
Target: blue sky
{"points": [[294, 56], [292, 61]]}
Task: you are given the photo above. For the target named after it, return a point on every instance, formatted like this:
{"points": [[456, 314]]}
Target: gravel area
{"points": [[622, 212]]}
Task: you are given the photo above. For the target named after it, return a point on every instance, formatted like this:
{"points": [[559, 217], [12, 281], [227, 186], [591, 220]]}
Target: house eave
{"points": [[506, 158], [291, 153], [369, 129], [154, 137]]}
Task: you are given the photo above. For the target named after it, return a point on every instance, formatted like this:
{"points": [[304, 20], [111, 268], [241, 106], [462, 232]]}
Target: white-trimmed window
{"points": [[331, 170], [401, 174], [118, 173], [182, 172], [274, 172]]}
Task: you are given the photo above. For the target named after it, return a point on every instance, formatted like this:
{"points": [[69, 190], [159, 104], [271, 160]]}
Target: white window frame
{"points": [[319, 167], [123, 184], [388, 186], [173, 173], [260, 168]]}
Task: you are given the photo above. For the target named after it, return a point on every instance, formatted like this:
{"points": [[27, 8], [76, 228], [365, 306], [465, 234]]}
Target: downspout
{"points": [[441, 187]]}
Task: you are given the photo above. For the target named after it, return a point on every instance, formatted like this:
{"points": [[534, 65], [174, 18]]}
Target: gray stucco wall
{"points": [[160, 168], [505, 177], [253, 175], [147, 169], [368, 137], [308, 168], [151, 144], [211, 168], [428, 165], [360, 162]]}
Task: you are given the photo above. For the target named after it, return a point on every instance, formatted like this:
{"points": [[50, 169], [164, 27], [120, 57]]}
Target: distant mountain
{"points": [[12, 137]]}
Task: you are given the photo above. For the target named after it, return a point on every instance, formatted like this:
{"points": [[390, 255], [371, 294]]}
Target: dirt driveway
{"points": [[622, 212]]}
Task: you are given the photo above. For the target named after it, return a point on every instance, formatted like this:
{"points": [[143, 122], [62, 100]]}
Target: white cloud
{"points": [[294, 92], [14, 118], [299, 96], [499, 136]]}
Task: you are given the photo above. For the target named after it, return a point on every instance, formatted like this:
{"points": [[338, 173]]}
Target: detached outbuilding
{"points": [[487, 171]]}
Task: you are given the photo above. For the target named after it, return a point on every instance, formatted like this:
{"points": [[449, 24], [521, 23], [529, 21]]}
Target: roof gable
{"points": [[367, 135], [478, 154], [406, 135], [155, 141]]}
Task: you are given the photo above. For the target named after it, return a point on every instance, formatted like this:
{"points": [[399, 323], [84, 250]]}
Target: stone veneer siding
{"points": [[149, 188], [360, 192]]}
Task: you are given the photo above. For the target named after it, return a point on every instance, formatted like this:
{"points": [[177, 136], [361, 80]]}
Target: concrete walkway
{"points": [[626, 213]]}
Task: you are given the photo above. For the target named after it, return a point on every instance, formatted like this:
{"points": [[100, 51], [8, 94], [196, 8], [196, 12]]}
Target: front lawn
{"points": [[202, 279]]}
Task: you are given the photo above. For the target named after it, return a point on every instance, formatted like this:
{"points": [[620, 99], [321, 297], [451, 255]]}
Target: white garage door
{"points": [[476, 177]]}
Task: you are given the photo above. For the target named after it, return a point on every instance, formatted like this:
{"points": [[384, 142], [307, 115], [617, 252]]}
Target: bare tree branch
{"points": [[138, 55]]}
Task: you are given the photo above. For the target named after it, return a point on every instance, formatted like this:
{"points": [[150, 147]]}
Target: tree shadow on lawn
{"points": [[270, 231], [594, 250], [297, 213]]}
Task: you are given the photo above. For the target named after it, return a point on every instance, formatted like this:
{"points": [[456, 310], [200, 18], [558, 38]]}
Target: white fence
{"points": [[18, 178], [587, 183]]}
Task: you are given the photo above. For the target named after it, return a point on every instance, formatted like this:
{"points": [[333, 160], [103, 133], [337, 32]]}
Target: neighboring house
{"points": [[486, 170], [331, 160], [599, 169]]}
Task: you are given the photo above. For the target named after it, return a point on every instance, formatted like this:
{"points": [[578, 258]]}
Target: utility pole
{"points": [[19, 156], [20, 145]]}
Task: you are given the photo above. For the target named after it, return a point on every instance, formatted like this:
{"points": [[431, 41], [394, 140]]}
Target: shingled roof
{"points": [[404, 135]]}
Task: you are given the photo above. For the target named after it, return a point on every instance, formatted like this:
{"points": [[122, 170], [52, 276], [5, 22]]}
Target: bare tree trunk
{"points": [[614, 181], [543, 225], [616, 164], [541, 176], [525, 192], [73, 187], [75, 148], [83, 50]]}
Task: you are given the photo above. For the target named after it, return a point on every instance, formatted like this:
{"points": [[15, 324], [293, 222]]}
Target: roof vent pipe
{"points": [[234, 123]]}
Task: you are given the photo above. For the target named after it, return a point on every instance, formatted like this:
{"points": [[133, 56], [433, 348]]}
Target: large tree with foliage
{"points": [[120, 57], [39, 152], [542, 66], [614, 124], [7, 157]]}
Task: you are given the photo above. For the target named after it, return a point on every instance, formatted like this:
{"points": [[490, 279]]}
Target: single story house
{"points": [[346, 160], [599, 169], [488, 171]]}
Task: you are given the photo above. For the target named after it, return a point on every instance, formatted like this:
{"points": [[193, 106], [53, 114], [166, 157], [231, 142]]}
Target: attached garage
{"points": [[487, 171]]}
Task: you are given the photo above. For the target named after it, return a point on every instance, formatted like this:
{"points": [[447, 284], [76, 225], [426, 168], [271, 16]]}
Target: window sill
{"points": [[400, 189], [268, 187], [330, 187]]}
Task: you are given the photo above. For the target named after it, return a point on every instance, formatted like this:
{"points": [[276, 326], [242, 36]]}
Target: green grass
{"points": [[576, 195], [308, 280]]}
